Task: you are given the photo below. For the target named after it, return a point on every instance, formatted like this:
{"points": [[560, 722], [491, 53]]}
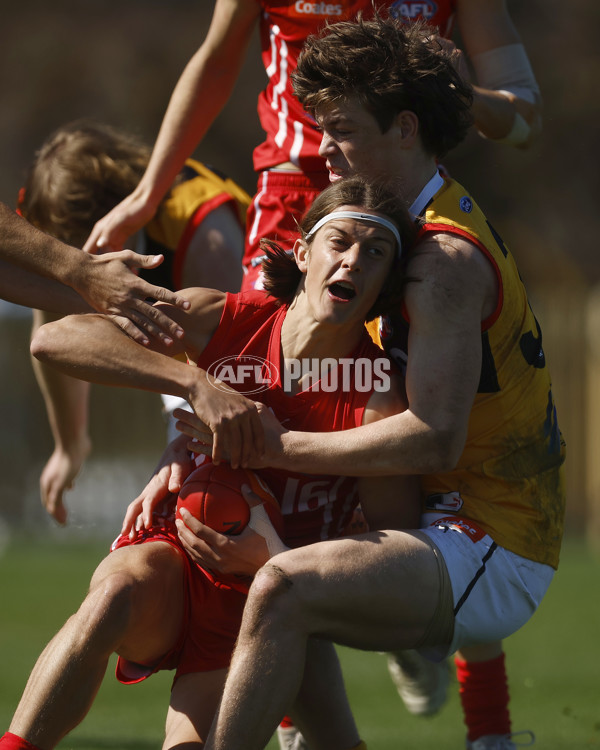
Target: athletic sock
{"points": [[483, 689], [13, 742]]}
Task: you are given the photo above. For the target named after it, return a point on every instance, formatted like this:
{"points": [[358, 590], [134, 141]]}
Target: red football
{"points": [[213, 494]]}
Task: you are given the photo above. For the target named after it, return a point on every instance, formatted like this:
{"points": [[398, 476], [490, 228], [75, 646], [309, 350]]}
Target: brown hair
{"points": [[390, 66], [281, 274], [78, 175]]}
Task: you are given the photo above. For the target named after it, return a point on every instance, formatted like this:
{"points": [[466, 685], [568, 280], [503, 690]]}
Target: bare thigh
{"points": [[377, 591], [147, 581]]}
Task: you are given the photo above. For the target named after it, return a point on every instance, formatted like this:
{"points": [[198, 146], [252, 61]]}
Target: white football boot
{"points": [[290, 738], [422, 684]]}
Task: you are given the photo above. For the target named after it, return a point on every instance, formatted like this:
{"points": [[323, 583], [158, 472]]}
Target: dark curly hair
{"points": [[281, 274], [391, 67]]}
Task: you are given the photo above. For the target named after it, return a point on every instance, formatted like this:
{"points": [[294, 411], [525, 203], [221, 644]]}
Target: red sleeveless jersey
{"points": [[245, 353], [284, 26]]}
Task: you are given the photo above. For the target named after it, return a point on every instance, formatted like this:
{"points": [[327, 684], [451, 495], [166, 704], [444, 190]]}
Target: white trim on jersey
{"points": [[279, 102], [282, 116], [257, 209], [272, 66], [296, 148]]}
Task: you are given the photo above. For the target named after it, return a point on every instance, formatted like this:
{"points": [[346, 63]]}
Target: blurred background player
{"points": [[81, 171]]}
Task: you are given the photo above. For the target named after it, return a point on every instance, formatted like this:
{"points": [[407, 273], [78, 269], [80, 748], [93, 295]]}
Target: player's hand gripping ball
{"points": [[213, 494]]}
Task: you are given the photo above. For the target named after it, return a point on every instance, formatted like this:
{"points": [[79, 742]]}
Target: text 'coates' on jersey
{"points": [[301, 8], [408, 11]]}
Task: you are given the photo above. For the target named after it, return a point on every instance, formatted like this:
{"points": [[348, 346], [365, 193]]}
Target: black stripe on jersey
{"points": [[499, 240], [531, 348], [476, 577], [188, 173], [488, 380]]}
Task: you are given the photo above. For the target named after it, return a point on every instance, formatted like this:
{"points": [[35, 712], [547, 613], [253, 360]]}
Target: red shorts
{"points": [[211, 618], [282, 198]]}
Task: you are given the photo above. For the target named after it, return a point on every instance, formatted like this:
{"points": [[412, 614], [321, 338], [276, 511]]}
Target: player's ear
{"points": [[301, 254], [407, 124]]}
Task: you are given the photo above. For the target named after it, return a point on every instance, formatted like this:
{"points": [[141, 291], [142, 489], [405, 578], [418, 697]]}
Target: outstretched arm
{"points": [[90, 348], [27, 288], [198, 97], [507, 105], [32, 266], [36, 270], [66, 403]]}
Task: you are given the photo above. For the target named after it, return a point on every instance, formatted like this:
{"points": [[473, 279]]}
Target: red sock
{"points": [[13, 742], [484, 696]]}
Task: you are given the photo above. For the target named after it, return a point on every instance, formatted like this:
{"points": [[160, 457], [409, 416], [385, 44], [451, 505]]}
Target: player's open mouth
{"points": [[334, 174], [342, 291]]}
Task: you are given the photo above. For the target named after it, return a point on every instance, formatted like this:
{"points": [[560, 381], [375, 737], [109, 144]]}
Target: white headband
{"points": [[360, 217]]}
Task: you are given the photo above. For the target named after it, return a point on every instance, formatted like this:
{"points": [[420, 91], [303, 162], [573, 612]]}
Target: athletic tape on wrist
{"points": [[259, 523], [506, 68], [519, 132]]}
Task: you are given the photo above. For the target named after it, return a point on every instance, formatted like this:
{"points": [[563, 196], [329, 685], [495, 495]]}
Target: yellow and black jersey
{"points": [[197, 191], [510, 477]]}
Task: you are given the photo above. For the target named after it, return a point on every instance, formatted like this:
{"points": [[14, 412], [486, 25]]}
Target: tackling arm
{"points": [[453, 290], [389, 502]]}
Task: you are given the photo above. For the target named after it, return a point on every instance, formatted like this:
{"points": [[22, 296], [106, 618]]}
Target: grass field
{"points": [[553, 662]]}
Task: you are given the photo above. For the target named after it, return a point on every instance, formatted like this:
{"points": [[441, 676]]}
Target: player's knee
{"points": [[273, 590], [106, 611], [273, 580]]}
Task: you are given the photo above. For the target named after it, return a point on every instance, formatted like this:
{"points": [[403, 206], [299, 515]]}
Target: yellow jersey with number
{"points": [[510, 477]]}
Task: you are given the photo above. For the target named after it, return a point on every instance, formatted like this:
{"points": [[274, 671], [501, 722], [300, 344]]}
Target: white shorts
{"points": [[494, 591]]}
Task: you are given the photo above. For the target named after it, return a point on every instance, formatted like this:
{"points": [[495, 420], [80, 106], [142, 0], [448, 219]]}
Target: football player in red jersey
{"points": [[345, 270], [506, 104]]}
